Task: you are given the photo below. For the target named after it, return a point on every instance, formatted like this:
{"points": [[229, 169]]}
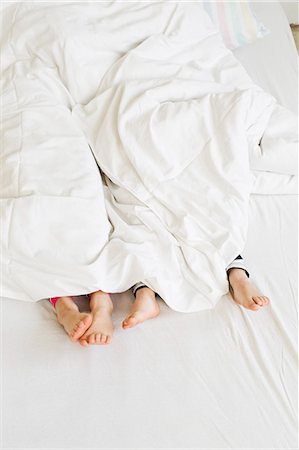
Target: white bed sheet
{"points": [[272, 62], [224, 378]]}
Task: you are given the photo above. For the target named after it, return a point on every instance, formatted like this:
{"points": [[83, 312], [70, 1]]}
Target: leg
{"points": [[69, 316], [144, 307], [238, 263], [101, 329], [242, 289]]}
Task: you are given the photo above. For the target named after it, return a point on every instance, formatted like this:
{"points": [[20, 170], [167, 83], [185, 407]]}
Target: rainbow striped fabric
{"points": [[236, 21]]}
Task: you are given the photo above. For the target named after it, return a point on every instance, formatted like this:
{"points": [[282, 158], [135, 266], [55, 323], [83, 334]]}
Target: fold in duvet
{"points": [[149, 178]]}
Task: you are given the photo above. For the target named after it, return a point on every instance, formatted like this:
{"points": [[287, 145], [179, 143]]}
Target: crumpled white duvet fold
{"points": [[175, 128]]}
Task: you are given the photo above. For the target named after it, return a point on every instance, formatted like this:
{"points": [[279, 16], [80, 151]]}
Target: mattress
{"points": [[221, 378]]}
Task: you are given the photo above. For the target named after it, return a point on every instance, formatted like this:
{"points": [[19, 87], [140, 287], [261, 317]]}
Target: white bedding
{"points": [[173, 124], [224, 378], [220, 378], [272, 62]]}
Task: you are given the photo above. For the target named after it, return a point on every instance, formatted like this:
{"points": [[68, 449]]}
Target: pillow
{"points": [[236, 21]]}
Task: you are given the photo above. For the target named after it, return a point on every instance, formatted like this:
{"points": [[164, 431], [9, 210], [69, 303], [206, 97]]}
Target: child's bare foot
{"points": [[144, 307], [244, 292], [68, 315], [101, 329]]}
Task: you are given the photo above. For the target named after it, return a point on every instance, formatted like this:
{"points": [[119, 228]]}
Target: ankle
{"points": [[237, 275], [145, 292], [65, 305], [101, 301]]}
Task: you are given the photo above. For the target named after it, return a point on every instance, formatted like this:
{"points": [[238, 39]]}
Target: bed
{"points": [[219, 378]]}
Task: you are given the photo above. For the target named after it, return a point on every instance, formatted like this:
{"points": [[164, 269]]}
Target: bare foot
{"points": [[144, 307], [101, 329], [244, 292], [68, 315]]}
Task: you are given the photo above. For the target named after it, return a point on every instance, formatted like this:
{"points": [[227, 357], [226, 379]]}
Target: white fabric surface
{"points": [[221, 378], [272, 62], [171, 124], [224, 378]]}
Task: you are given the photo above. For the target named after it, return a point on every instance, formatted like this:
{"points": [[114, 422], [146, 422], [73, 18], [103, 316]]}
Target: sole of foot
{"points": [[76, 324], [101, 330]]}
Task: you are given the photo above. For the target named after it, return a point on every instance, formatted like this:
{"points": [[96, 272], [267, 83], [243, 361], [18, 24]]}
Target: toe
{"points": [[76, 334], [254, 303], [98, 338], [130, 321], [263, 300], [103, 339], [109, 340], [87, 320], [92, 339], [126, 320], [81, 327], [266, 300], [258, 300], [83, 342]]}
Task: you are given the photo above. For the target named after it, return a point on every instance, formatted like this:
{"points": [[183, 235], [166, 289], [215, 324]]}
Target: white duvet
{"points": [[180, 133]]}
